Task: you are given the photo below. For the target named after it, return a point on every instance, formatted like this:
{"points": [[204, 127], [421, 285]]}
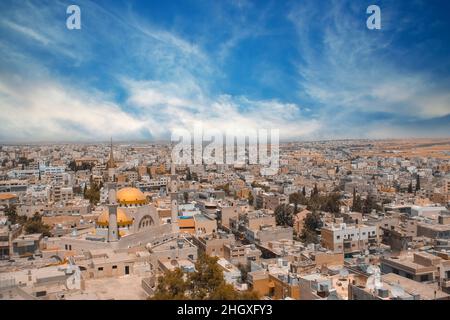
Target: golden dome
{"points": [[122, 218], [131, 196]]}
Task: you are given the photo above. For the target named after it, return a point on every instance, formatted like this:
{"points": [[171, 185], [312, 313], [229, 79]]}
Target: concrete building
{"points": [[349, 239], [418, 266]]}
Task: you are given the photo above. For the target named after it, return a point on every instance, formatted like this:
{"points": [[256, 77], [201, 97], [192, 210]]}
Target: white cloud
{"points": [[178, 108], [47, 111], [345, 67]]}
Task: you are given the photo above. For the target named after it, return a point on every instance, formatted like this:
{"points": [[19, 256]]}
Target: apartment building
{"points": [[348, 239]]}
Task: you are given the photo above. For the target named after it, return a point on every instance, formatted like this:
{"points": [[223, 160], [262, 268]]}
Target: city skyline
{"points": [[137, 70]]}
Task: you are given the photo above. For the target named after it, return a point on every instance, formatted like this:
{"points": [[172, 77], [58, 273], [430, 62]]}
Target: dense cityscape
{"points": [[224, 159], [341, 220]]}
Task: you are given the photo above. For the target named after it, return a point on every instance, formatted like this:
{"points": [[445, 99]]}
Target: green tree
{"points": [[284, 215], [357, 202], [296, 198], [410, 188], [171, 286], [315, 190], [207, 278], [417, 183], [310, 228], [72, 166], [244, 271], [189, 175], [330, 203], [206, 282], [36, 225], [93, 192], [11, 214]]}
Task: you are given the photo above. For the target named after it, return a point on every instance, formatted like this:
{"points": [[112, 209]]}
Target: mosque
{"points": [[134, 214], [128, 220]]}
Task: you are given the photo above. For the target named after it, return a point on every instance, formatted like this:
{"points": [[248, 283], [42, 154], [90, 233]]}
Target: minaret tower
{"points": [[174, 211], [113, 230], [111, 163]]}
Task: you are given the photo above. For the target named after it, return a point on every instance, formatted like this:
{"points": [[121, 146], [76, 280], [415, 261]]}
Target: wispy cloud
{"points": [[129, 76], [347, 69]]}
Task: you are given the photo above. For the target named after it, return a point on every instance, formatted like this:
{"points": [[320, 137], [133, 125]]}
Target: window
{"points": [[100, 269], [114, 267]]}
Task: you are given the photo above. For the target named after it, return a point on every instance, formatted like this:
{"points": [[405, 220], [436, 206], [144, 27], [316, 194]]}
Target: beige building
{"points": [[348, 239], [394, 287], [420, 266], [213, 244], [242, 254]]}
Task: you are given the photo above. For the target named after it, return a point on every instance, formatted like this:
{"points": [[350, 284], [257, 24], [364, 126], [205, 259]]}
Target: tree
{"points": [[417, 183], [186, 197], [93, 193], [73, 165], [330, 203], [304, 191], [171, 286], [370, 204], [410, 188], [316, 191], [311, 224], [207, 278], [11, 214], [35, 225], [206, 282], [189, 175], [251, 199], [296, 199], [244, 271], [357, 202], [284, 215]]}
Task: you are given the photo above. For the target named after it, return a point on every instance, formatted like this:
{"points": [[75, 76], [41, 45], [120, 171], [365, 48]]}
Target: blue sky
{"points": [[138, 69]]}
